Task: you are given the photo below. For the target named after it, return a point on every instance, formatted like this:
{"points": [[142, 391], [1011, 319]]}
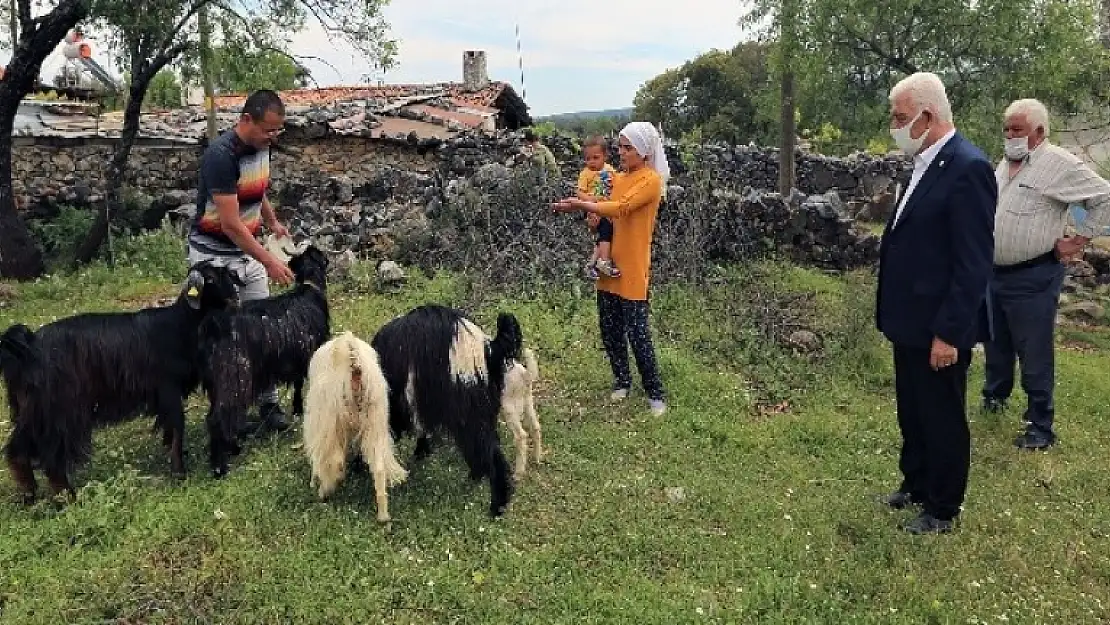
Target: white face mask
{"points": [[1017, 148], [905, 142]]}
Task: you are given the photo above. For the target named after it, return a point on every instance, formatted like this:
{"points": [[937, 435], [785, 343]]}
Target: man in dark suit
{"points": [[935, 264]]}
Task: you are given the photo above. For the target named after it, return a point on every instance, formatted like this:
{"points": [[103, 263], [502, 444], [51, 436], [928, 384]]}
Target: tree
{"points": [[853, 51], [241, 70], [38, 36], [156, 36], [165, 90], [714, 96], [150, 40]]}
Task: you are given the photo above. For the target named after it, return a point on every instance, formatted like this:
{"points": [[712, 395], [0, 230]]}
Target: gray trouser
{"points": [[256, 285], [1024, 303]]}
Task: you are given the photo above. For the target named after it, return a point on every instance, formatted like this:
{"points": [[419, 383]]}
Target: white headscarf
{"points": [[649, 144]]}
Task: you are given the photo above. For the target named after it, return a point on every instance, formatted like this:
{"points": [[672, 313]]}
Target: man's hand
{"points": [[279, 229], [278, 271], [942, 355], [1069, 249]]}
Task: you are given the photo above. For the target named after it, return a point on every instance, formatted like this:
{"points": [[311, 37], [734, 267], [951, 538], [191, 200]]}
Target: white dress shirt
{"points": [[921, 164]]}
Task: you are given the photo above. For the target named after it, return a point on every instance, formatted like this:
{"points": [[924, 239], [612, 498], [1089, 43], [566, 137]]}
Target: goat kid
{"points": [[518, 405], [95, 369], [348, 401], [445, 374], [266, 342]]}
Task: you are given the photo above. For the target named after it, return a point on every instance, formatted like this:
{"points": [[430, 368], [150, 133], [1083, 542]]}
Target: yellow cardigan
{"points": [[635, 203]]}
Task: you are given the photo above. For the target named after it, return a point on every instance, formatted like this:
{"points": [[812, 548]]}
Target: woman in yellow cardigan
{"points": [[622, 302]]}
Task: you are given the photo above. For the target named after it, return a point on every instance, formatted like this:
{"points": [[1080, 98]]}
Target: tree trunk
{"points": [[13, 24], [1104, 22], [20, 258], [789, 135], [114, 175], [141, 75], [206, 70], [788, 47]]}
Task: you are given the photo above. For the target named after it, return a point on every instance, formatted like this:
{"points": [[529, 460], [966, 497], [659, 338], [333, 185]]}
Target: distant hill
{"points": [[563, 117]]}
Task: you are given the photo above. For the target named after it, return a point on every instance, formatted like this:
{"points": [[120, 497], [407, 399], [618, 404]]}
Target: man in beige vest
{"points": [[1037, 182]]}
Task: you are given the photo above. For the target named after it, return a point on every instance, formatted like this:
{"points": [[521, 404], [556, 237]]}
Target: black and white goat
{"points": [[94, 369], [444, 373], [266, 342], [347, 405]]}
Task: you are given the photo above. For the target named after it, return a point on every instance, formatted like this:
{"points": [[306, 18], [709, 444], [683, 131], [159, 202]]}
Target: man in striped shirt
{"points": [[232, 208], [1037, 182]]}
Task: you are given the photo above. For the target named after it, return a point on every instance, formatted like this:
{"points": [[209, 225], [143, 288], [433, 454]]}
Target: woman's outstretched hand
{"points": [[569, 205]]}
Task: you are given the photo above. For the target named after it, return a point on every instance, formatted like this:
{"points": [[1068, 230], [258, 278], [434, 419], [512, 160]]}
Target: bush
{"points": [[158, 253], [59, 237]]}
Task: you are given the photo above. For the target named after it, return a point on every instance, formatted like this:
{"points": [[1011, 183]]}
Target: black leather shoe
{"points": [[1034, 440], [273, 417], [926, 523], [899, 500]]}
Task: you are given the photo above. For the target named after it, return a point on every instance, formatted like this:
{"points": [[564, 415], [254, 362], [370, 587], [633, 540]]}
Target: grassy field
{"points": [[779, 457]]}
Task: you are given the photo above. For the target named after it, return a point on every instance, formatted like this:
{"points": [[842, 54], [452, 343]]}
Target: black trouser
{"points": [[1024, 302], [622, 322], [936, 442]]}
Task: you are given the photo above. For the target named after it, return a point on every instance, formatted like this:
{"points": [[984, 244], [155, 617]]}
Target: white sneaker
{"points": [[620, 394], [658, 407]]}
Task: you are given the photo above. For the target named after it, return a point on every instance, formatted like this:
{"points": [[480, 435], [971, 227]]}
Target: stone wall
{"points": [[356, 194], [73, 171]]}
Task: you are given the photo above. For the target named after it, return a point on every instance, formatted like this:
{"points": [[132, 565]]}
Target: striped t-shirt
{"points": [[229, 166]]}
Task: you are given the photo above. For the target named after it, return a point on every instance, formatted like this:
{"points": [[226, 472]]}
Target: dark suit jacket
{"points": [[935, 264]]}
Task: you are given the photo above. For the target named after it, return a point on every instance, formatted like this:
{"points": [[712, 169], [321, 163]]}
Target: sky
{"points": [[579, 55]]}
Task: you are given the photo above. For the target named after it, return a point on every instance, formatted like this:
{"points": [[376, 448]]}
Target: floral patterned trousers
{"points": [[625, 322]]}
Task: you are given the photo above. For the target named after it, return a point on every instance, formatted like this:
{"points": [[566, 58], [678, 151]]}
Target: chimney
{"points": [[475, 76]]}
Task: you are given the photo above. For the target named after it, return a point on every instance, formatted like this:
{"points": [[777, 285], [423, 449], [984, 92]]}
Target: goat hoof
{"points": [[496, 511], [26, 499], [221, 471]]}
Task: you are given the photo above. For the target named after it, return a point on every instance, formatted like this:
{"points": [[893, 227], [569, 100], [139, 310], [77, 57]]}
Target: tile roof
{"points": [[486, 97], [438, 110]]}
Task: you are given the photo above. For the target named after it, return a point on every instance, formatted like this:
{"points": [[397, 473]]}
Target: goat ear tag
{"points": [[193, 291]]}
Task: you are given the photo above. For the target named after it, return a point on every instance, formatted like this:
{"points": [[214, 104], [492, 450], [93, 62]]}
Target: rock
{"points": [[1081, 269], [8, 292], [1099, 259], [341, 263], [805, 341], [390, 273], [675, 494], [340, 189], [1084, 310]]}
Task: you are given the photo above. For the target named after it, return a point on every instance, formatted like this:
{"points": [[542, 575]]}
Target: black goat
{"points": [[266, 342], [94, 369], [444, 373]]}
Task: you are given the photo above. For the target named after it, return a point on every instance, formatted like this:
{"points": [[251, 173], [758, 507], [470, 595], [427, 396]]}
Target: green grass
{"points": [[780, 456]]}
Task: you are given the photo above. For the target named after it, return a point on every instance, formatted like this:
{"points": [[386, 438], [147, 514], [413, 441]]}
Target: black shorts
{"points": [[605, 230]]}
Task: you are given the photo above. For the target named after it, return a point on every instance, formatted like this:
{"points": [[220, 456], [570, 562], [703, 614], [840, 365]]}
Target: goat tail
{"points": [[528, 359], [15, 345], [509, 340]]}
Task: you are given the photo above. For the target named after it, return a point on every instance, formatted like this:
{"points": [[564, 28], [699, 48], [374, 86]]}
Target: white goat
{"points": [[517, 403], [348, 400]]}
